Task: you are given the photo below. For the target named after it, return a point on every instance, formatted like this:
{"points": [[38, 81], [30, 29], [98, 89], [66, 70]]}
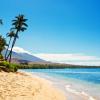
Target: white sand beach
{"points": [[28, 86], [21, 86]]}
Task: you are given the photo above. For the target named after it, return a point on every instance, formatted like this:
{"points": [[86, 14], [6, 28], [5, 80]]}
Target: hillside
{"points": [[24, 57]]}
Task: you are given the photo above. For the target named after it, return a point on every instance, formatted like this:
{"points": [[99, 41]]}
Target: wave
{"points": [[82, 93]]}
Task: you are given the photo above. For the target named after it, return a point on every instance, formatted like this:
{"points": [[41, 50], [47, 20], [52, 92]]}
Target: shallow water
{"points": [[90, 75]]}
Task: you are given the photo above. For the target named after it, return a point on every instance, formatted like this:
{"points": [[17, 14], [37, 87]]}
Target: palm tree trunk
{"points": [[10, 53], [7, 49], [11, 50]]}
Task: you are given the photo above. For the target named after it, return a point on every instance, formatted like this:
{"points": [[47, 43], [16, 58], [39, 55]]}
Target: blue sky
{"points": [[56, 26]]}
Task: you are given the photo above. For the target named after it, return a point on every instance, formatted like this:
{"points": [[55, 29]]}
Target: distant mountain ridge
{"points": [[24, 57]]}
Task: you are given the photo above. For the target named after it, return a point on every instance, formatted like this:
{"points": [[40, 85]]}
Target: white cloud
{"points": [[20, 50], [67, 57], [78, 59]]}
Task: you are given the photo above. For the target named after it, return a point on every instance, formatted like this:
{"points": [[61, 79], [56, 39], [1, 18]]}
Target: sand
{"points": [[22, 86]]}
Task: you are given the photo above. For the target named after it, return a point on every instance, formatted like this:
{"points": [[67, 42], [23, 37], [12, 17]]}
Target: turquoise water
{"points": [[91, 75]]}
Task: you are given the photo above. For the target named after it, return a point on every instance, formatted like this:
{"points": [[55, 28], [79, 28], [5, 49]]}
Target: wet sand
{"points": [[73, 89]]}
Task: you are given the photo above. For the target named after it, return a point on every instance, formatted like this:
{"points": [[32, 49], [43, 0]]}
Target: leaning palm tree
{"points": [[2, 45], [10, 35], [19, 25]]}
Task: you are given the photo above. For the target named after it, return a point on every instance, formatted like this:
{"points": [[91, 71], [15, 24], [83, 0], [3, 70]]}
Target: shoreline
{"points": [[24, 85], [70, 89]]}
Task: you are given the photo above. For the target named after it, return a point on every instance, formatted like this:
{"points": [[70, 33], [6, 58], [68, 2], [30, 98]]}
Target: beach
{"points": [[45, 85], [24, 86]]}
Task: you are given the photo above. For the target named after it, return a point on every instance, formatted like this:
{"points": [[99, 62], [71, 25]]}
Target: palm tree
{"points": [[2, 42], [10, 35], [19, 25], [2, 45]]}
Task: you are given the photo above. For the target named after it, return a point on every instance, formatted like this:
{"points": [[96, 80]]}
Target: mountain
{"points": [[24, 57], [19, 55]]}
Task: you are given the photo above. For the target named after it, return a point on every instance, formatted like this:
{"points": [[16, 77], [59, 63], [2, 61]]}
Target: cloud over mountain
{"points": [[77, 59], [20, 50]]}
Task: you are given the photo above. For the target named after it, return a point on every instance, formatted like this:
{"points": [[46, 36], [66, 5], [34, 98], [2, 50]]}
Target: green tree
{"points": [[2, 45], [10, 35], [19, 24]]}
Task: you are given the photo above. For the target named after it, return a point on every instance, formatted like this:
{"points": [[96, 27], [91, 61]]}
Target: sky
{"points": [[57, 27]]}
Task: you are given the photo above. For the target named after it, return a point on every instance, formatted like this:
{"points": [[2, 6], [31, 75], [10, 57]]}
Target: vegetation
{"points": [[8, 67], [1, 57], [2, 46], [51, 66], [2, 43], [10, 35], [18, 25], [11, 67]]}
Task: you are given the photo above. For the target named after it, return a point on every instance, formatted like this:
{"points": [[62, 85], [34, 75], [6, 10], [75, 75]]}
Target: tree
{"points": [[10, 35], [2, 45], [1, 41], [19, 24]]}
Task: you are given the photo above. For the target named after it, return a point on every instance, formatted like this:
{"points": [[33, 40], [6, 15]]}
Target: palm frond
{"points": [[24, 20], [14, 20], [23, 29], [13, 28], [19, 23], [10, 34], [25, 24]]}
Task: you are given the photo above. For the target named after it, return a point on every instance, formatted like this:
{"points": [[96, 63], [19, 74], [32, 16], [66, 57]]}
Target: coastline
{"points": [[72, 90], [37, 86], [25, 86]]}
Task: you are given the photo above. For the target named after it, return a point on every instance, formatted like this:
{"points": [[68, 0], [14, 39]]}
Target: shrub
{"points": [[6, 66], [4, 63], [1, 57], [13, 67]]}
